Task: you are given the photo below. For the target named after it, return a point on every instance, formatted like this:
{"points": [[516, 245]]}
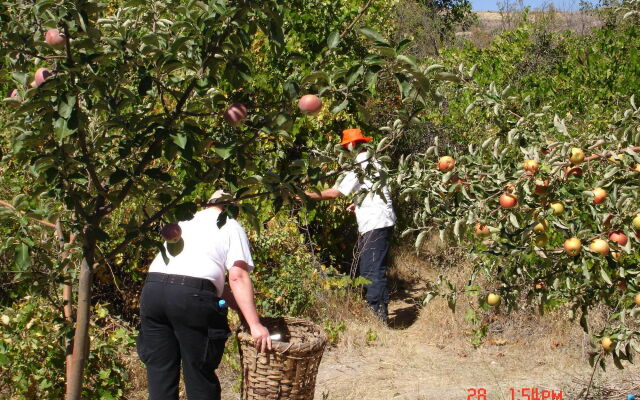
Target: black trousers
{"points": [[373, 247], [181, 321]]}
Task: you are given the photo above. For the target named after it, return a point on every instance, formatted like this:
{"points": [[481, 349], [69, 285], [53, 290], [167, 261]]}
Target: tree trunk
{"points": [[67, 294], [81, 337]]}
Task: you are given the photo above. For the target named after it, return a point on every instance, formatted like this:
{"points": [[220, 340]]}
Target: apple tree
{"points": [[123, 115], [551, 211]]}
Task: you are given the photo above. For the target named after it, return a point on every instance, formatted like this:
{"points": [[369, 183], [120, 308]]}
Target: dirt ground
{"points": [[427, 354]]}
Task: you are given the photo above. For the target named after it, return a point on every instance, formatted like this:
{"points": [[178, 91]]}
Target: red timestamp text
{"points": [[518, 394]]}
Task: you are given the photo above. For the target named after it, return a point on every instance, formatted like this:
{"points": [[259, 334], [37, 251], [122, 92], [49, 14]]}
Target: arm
{"points": [[327, 194], [228, 297], [242, 290]]}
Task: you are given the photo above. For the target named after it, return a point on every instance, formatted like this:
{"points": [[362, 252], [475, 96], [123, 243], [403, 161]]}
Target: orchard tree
{"points": [[553, 212], [122, 114]]}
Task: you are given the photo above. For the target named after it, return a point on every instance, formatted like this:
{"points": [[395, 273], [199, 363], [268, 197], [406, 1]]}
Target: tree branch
{"points": [[146, 158], [41, 222]]}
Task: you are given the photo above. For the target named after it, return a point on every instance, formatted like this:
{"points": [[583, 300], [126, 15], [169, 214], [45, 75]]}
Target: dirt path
{"points": [[415, 364]]}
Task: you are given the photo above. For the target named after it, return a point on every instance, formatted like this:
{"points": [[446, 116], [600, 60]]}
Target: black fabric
{"points": [[181, 324], [373, 247], [197, 283]]}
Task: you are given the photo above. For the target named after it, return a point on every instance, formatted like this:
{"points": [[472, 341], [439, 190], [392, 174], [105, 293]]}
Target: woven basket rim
{"points": [[310, 347]]}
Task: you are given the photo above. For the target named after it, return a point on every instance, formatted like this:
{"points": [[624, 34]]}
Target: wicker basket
{"points": [[289, 370]]}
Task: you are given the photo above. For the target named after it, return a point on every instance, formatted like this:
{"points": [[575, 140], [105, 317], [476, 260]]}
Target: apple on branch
{"points": [[508, 200], [235, 114], [530, 167], [599, 195], [572, 246], [54, 38], [493, 299], [599, 246], [310, 104], [171, 233], [446, 163]]}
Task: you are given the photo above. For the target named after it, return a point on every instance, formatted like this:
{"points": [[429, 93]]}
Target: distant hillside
{"points": [[491, 23]]}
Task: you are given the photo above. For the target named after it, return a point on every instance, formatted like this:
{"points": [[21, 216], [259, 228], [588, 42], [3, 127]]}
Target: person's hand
{"points": [[261, 337], [351, 208]]}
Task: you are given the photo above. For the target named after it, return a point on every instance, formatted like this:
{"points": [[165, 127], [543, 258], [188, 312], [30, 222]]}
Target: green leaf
{"points": [[180, 139], [333, 39], [447, 76], [23, 259], [224, 152], [420, 239], [65, 108], [605, 276], [408, 60], [428, 298], [373, 35], [340, 106]]}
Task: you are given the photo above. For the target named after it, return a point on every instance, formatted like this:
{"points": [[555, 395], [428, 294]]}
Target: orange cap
{"points": [[353, 135]]}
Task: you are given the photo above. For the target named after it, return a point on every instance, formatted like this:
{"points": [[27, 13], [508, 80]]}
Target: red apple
{"points": [[310, 104], [572, 171], [14, 94], [235, 114], [446, 163], [599, 195], [542, 187], [171, 233], [482, 230], [508, 200], [54, 38], [618, 237], [42, 74]]}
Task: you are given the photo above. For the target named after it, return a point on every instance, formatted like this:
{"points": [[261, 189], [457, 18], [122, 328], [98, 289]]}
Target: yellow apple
{"points": [[576, 156], [540, 240], [599, 246], [541, 227], [636, 222], [493, 299], [607, 343], [530, 166], [557, 207], [572, 246]]}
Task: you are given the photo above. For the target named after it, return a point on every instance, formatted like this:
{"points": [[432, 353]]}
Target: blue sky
{"points": [[492, 5]]}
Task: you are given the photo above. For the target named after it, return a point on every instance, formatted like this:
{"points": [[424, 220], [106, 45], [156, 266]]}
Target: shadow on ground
{"points": [[405, 300]]}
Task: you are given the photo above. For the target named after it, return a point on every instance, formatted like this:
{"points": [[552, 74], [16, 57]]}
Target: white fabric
{"points": [[208, 251], [374, 212]]}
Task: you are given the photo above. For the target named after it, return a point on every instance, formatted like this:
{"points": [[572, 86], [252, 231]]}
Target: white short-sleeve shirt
{"points": [[374, 212], [208, 250]]}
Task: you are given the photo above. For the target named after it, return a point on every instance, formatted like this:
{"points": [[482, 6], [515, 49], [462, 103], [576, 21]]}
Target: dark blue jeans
{"points": [[373, 247], [181, 323]]}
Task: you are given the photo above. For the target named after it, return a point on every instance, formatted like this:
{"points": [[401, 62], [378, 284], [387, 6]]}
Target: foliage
{"points": [[523, 249], [32, 351], [587, 76], [287, 277], [128, 131], [432, 24]]}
